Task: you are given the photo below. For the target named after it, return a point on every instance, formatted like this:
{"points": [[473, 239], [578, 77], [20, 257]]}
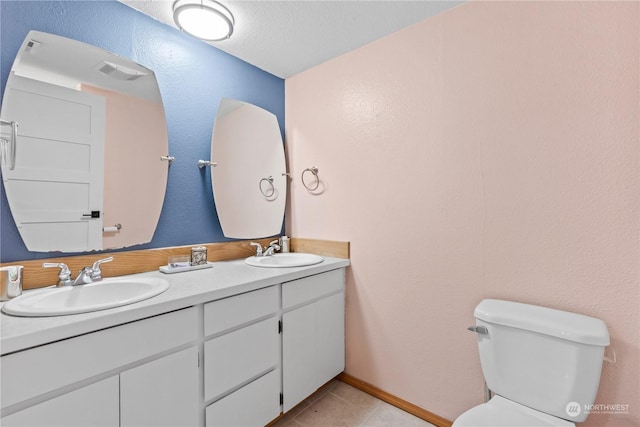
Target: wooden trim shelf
{"points": [[330, 248], [141, 261]]}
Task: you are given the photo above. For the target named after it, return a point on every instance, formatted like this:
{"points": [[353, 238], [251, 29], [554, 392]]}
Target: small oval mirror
{"points": [[249, 182]]}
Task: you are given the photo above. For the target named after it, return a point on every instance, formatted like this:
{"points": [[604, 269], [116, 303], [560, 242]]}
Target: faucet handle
{"points": [[64, 275], [258, 248], [96, 272]]}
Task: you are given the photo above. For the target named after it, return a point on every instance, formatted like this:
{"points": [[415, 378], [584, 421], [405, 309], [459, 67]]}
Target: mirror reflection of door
{"points": [[57, 182]]}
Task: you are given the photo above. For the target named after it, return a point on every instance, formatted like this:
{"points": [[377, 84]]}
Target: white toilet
{"points": [[543, 365]]}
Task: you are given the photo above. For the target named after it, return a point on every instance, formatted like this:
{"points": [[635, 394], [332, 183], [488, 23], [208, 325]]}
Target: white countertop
{"points": [[226, 278]]}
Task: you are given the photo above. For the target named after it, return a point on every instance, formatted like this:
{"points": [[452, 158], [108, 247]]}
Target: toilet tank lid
{"points": [[544, 320]]}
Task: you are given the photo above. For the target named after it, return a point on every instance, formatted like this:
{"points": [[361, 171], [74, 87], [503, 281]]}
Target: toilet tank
{"points": [[546, 359]]}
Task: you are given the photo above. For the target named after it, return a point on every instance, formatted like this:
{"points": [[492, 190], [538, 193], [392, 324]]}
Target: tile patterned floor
{"points": [[340, 405]]}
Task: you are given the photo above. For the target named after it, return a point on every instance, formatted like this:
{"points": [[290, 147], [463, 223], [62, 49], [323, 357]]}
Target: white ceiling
{"points": [[285, 37]]}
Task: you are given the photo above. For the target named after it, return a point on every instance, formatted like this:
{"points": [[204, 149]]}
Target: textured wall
{"points": [[491, 151], [192, 76]]}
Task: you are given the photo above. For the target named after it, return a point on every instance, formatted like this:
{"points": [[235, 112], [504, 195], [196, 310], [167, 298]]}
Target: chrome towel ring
{"points": [[270, 190], [314, 172]]}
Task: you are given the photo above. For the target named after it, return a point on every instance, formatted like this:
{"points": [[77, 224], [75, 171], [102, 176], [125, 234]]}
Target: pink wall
{"points": [[133, 190], [491, 151]]}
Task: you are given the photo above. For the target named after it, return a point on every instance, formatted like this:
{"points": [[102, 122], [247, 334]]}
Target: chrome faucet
{"points": [[273, 246], [84, 277], [87, 274]]}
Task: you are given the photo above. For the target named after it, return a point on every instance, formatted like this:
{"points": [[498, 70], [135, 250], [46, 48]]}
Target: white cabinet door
{"points": [[164, 392], [298, 355], [312, 334], [91, 406], [330, 330]]}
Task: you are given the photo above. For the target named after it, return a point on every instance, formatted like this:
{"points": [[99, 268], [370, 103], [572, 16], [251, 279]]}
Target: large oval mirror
{"points": [[88, 173], [249, 182]]}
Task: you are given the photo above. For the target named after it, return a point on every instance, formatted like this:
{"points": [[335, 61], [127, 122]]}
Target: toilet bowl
{"points": [[543, 365]]}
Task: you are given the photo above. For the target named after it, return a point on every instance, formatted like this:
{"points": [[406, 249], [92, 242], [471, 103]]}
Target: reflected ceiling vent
{"points": [[119, 72], [32, 46]]}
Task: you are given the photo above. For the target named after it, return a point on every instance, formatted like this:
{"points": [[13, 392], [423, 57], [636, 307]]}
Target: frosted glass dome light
{"points": [[205, 19]]}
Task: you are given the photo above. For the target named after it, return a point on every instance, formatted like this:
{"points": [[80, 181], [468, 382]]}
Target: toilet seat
{"points": [[501, 412]]}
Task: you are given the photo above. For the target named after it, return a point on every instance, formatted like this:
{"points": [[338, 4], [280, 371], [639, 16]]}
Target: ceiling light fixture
{"points": [[205, 19]]}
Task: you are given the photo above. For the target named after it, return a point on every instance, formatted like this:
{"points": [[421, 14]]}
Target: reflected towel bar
{"points": [[8, 146], [204, 163]]}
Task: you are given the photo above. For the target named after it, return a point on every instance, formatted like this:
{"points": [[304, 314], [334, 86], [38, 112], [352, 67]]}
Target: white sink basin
{"points": [[291, 259], [107, 293]]}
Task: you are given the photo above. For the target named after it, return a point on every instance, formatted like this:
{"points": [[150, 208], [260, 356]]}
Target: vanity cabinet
{"points": [[242, 359], [235, 361], [312, 334], [132, 371]]}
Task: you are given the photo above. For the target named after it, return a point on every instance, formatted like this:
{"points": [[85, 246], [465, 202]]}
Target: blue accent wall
{"points": [[192, 76]]}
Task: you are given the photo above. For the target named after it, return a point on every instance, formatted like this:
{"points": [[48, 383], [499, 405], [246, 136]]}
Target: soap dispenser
{"points": [[10, 282], [284, 244]]}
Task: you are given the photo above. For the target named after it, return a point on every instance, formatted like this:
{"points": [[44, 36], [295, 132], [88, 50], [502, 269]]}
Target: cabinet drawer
{"points": [[254, 405], [234, 311], [309, 288], [30, 373], [234, 358]]}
